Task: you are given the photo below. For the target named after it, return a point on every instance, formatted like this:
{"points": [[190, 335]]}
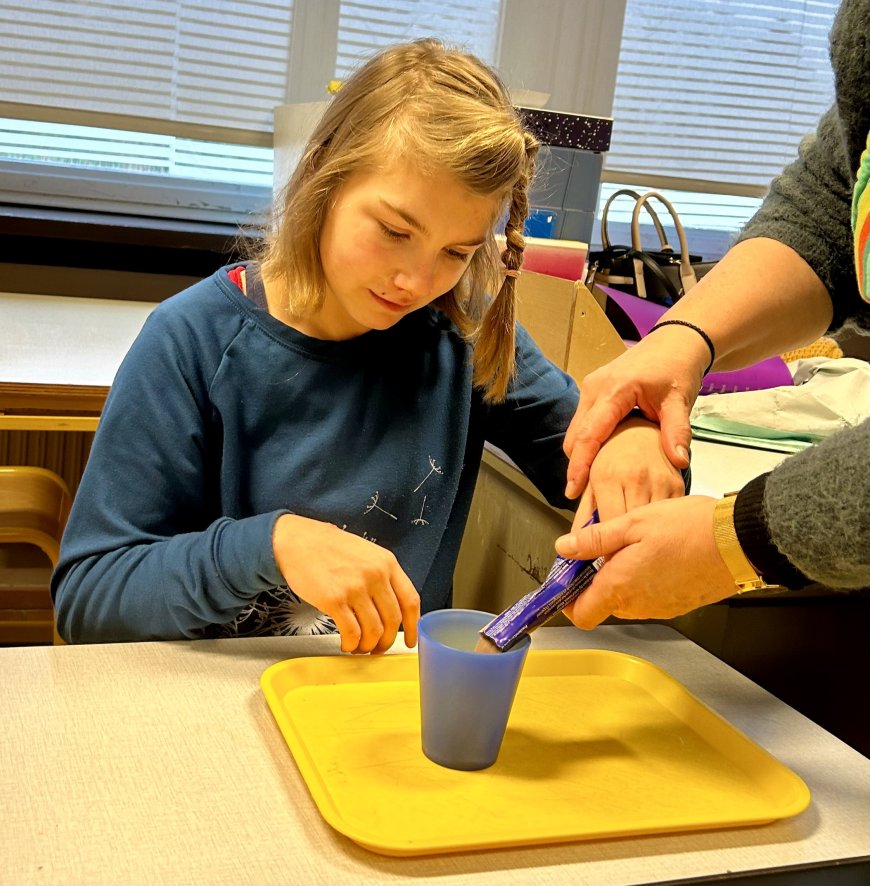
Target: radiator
{"points": [[64, 452]]}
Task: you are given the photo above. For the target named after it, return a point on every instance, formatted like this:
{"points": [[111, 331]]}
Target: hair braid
{"points": [[495, 360]]}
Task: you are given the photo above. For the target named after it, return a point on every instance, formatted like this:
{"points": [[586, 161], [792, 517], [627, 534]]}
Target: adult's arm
{"points": [[788, 279], [806, 521]]}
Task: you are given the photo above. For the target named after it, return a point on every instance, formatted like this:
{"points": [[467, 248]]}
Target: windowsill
{"points": [[48, 251], [34, 235]]}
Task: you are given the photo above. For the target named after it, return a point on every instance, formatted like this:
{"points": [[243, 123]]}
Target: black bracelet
{"points": [[697, 329]]}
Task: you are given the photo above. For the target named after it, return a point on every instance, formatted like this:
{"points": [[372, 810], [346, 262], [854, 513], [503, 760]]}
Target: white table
{"points": [[161, 763], [718, 468]]}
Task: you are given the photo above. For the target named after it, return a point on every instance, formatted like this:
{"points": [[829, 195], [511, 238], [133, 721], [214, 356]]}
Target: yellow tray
{"points": [[599, 744]]}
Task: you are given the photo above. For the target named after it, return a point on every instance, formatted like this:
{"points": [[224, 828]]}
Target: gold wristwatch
{"points": [[742, 571]]}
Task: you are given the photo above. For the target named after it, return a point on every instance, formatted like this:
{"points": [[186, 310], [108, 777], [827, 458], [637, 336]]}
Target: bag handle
{"points": [[687, 272], [642, 260], [627, 192]]}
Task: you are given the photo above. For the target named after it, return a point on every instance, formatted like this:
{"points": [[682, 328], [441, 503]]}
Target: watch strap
{"points": [[742, 571]]}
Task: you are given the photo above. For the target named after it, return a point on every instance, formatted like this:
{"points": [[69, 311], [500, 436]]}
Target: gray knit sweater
{"points": [[809, 519]]}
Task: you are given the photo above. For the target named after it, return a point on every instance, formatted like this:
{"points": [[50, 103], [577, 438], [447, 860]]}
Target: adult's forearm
{"points": [[761, 299], [809, 519]]}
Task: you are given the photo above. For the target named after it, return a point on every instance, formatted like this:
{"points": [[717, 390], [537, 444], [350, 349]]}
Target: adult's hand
{"points": [[661, 375], [359, 584], [760, 299], [662, 561]]}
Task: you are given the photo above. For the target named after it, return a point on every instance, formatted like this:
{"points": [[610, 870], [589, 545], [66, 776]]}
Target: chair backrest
{"points": [[34, 506]]}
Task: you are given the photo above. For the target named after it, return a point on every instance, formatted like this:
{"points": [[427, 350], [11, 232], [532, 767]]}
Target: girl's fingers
{"points": [[409, 604], [611, 501], [348, 627], [390, 614], [382, 610], [584, 509], [371, 626]]}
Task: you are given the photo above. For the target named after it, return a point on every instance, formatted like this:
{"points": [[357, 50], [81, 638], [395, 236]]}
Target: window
{"points": [[364, 26], [711, 100], [166, 108]]}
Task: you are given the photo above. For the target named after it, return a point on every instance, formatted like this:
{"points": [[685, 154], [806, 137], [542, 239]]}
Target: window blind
{"points": [[100, 100], [188, 68], [366, 25], [719, 91]]}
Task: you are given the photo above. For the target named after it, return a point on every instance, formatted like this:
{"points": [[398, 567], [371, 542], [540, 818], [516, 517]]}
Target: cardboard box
{"points": [[567, 322]]}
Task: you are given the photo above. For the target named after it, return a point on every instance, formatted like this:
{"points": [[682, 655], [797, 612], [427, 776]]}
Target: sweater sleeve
{"points": [[808, 209], [808, 520], [147, 553]]}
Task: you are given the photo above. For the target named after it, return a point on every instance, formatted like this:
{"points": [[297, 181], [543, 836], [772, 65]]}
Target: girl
{"points": [[291, 445]]}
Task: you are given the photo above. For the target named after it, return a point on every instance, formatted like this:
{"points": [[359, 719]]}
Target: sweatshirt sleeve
{"points": [[530, 425], [808, 520], [808, 209], [147, 553]]}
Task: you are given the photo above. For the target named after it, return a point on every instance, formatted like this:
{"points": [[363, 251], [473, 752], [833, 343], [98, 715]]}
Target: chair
{"points": [[34, 505]]}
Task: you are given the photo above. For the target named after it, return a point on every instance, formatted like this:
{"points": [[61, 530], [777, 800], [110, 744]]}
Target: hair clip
{"points": [[509, 273]]}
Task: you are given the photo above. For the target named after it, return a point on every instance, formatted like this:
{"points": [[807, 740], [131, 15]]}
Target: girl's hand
{"points": [[630, 470], [356, 582], [660, 375], [662, 561]]}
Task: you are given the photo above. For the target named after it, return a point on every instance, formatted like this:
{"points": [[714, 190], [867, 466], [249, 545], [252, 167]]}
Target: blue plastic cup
{"points": [[465, 696]]}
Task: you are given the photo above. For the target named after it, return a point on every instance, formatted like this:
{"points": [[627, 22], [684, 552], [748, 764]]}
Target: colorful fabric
{"points": [[861, 223], [237, 275]]}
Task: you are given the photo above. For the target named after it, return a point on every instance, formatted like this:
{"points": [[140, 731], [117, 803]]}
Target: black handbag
{"points": [[661, 275]]}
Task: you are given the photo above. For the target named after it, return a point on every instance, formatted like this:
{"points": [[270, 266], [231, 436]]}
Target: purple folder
{"points": [[634, 317]]}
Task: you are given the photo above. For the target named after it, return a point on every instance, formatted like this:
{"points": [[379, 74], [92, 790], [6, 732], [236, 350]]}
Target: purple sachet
{"points": [[566, 581]]}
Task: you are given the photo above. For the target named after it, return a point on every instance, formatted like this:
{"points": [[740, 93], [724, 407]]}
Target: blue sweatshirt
{"points": [[221, 418]]}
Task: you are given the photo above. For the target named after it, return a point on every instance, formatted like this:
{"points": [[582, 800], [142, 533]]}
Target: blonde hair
{"points": [[450, 112]]}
